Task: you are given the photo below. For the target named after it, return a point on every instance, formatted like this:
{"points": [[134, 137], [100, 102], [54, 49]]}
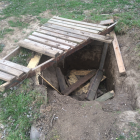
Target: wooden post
{"points": [[94, 85], [61, 79]]}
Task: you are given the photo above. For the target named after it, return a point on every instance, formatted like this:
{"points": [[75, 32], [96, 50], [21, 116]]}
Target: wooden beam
{"points": [[61, 79], [6, 77], [94, 84], [15, 66], [78, 83], [104, 52], [3, 86], [10, 70], [118, 55], [106, 96], [106, 22], [42, 50]]}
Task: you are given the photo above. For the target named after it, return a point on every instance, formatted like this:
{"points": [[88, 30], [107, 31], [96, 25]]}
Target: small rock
{"points": [[116, 10], [34, 134], [5, 95]]}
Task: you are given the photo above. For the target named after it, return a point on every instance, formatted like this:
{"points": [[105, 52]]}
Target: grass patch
{"points": [[1, 47], [2, 82], [17, 24], [5, 31], [42, 20], [23, 57], [128, 12], [18, 111]]}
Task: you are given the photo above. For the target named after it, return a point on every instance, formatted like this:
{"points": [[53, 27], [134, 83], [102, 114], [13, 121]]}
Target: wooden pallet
{"points": [[58, 38]]}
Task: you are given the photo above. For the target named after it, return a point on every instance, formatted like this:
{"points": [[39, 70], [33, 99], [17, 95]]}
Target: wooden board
{"points": [[95, 81], [3, 86], [65, 33], [42, 50], [79, 22], [48, 42], [77, 25], [74, 27], [42, 45], [118, 55], [61, 79], [106, 22], [6, 77], [55, 39], [69, 38], [15, 66], [87, 34], [104, 52], [10, 70], [78, 83], [34, 61]]}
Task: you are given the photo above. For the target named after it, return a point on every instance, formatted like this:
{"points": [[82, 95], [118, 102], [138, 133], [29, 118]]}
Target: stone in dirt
{"points": [[34, 134]]}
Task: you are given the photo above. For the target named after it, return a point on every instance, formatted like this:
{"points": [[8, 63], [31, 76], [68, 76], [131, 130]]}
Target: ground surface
{"points": [[64, 118]]}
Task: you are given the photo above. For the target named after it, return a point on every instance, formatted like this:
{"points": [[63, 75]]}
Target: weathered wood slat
{"points": [[86, 34], [79, 22], [61, 79], [15, 66], [95, 81], [46, 46], [11, 70], [60, 36], [64, 33], [78, 83], [77, 25], [106, 22], [48, 42], [6, 77], [3, 86], [118, 55], [104, 52], [74, 27], [55, 39], [106, 96], [42, 50]]}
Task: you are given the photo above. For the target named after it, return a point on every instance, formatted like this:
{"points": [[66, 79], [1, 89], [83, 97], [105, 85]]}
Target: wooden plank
{"points": [[61, 36], [112, 25], [65, 33], [42, 50], [40, 45], [78, 83], [118, 55], [91, 35], [12, 54], [55, 39], [79, 22], [74, 27], [106, 22], [95, 81], [77, 25], [34, 61], [48, 42], [3, 86], [15, 66], [104, 52], [6, 77], [106, 96], [11, 70], [61, 79]]}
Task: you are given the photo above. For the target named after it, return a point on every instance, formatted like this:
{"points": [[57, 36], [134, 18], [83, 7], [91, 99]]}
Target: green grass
{"points": [[17, 24], [128, 14], [18, 111], [5, 31], [22, 57], [42, 20], [2, 82], [1, 47]]}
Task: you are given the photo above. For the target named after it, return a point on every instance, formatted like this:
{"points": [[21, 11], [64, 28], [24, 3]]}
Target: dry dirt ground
{"points": [[65, 118]]}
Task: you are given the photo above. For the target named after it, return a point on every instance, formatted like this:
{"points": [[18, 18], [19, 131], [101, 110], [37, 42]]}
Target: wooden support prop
{"points": [[106, 22], [117, 51], [6, 77], [104, 52], [3, 86], [95, 81], [61, 79], [106, 96], [41, 50], [78, 83]]}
